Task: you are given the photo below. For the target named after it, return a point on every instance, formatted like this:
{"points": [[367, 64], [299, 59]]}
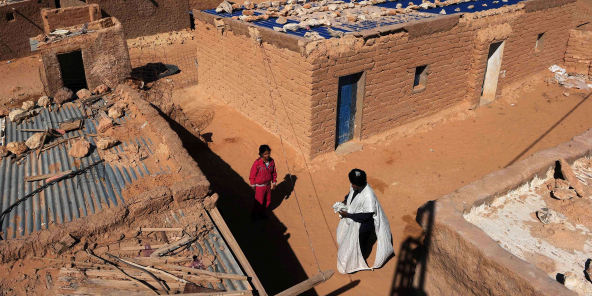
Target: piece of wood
{"points": [[163, 260], [140, 248], [240, 256], [71, 125], [94, 290], [162, 236], [140, 268], [51, 145], [196, 278], [43, 177], [227, 293], [150, 229], [48, 281], [92, 135], [115, 284], [320, 278], [75, 262], [163, 250], [42, 143], [142, 283], [205, 272], [135, 273], [153, 269]]}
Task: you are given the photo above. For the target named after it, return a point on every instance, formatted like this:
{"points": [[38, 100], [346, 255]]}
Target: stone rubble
{"points": [[105, 143], [79, 148], [28, 105], [83, 93], [34, 141], [17, 147], [63, 95], [44, 102]]}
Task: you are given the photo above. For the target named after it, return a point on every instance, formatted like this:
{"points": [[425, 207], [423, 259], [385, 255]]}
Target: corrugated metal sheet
{"points": [[70, 199]]}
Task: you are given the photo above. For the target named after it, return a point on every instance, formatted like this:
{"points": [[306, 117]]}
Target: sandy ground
{"points": [[20, 78], [405, 171]]}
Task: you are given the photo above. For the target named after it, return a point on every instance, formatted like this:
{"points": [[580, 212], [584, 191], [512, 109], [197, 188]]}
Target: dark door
{"points": [[72, 69], [346, 107]]}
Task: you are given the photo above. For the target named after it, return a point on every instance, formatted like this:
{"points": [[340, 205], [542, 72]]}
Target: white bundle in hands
{"points": [[339, 206]]}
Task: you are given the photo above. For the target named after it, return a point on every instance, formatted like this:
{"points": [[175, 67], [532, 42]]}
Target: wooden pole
{"points": [[242, 259], [308, 284]]}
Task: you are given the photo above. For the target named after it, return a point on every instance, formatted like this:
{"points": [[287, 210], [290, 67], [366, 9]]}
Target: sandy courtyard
{"points": [[406, 170]]}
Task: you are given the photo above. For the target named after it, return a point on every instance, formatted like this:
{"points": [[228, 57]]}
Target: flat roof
{"points": [[341, 23]]}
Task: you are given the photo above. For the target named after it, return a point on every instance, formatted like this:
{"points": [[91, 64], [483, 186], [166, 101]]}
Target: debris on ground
{"points": [[44, 102], [101, 89], [35, 141], [105, 143], [548, 216], [569, 176], [63, 95], [576, 283], [64, 244], [71, 125], [3, 152], [15, 114], [28, 105], [115, 112], [225, 6], [104, 125], [17, 147], [79, 148], [568, 80], [83, 93]]}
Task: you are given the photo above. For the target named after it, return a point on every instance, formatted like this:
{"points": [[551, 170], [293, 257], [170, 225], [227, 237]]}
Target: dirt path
{"points": [[405, 172]]}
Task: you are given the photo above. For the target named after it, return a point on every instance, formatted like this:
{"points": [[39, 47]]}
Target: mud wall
{"points": [[583, 14], [104, 54], [236, 69], [146, 17], [15, 34], [579, 52], [71, 16], [464, 260]]}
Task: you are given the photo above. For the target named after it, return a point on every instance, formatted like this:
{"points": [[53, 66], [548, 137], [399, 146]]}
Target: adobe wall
{"points": [[233, 67], [14, 35], [146, 17], [464, 260], [70, 16], [104, 54], [579, 52], [583, 14]]}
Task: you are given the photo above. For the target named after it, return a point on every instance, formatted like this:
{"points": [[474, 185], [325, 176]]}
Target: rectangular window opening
{"points": [[421, 78], [192, 21], [10, 16], [539, 43], [57, 4]]}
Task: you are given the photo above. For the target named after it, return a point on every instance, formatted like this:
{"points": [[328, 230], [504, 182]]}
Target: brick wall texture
{"points": [[71, 16], [15, 34], [583, 13], [231, 67], [147, 17], [579, 52]]}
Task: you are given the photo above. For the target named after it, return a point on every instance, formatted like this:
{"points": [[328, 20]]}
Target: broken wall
{"points": [[146, 17], [104, 53], [70, 16], [257, 79], [462, 259], [15, 33], [579, 52]]}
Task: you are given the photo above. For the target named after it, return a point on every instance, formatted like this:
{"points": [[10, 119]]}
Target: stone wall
{"points": [[15, 34], [104, 54], [147, 17], [236, 69], [579, 52], [464, 260], [71, 16]]}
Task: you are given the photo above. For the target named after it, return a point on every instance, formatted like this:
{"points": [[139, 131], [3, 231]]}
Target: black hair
{"points": [[263, 149], [357, 177]]}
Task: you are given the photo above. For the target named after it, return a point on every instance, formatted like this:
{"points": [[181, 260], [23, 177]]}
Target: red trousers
{"points": [[262, 198]]}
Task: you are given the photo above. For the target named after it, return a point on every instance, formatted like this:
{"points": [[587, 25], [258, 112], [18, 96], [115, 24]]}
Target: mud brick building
{"points": [[86, 59], [380, 74], [70, 16]]}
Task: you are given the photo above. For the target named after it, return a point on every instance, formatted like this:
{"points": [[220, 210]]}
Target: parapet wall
{"points": [[579, 52], [464, 260], [70, 16]]}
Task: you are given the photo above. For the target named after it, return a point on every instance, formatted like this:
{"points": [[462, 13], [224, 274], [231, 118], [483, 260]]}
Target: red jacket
{"points": [[262, 175]]}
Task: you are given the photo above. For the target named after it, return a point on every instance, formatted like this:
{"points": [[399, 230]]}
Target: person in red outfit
{"points": [[263, 179]]}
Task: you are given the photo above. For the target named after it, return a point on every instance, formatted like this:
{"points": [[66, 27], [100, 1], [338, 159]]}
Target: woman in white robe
{"points": [[361, 202]]}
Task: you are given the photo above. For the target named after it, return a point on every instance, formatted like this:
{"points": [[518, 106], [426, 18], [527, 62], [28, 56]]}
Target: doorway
{"points": [[492, 72], [72, 68], [347, 99]]}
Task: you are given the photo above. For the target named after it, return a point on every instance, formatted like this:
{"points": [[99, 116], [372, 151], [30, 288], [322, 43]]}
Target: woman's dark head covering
{"points": [[263, 149], [357, 177]]}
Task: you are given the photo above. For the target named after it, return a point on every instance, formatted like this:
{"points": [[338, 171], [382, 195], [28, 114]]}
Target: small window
{"points": [[57, 4], [539, 43], [10, 16], [421, 78]]}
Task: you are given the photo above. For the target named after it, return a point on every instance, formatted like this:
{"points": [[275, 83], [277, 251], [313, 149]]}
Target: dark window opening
{"points": [[10, 16], [57, 4], [192, 20], [72, 68], [347, 97], [539, 43], [421, 78]]}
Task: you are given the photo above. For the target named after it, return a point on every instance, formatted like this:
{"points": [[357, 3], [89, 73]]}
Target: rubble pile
{"points": [[170, 38], [306, 14]]}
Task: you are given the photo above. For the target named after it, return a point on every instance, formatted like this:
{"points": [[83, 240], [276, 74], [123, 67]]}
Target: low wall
{"points": [[579, 52], [464, 260], [71, 16]]}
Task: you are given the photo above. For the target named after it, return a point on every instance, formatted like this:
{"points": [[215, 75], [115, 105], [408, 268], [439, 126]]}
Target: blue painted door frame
{"points": [[346, 107]]}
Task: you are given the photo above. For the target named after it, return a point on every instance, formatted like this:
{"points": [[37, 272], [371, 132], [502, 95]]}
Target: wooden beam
{"points": [[321, 277], [168, 248], [227, 293], [149, 229], [141, 248], [205, 272], [242, 259], [43, 177]]}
